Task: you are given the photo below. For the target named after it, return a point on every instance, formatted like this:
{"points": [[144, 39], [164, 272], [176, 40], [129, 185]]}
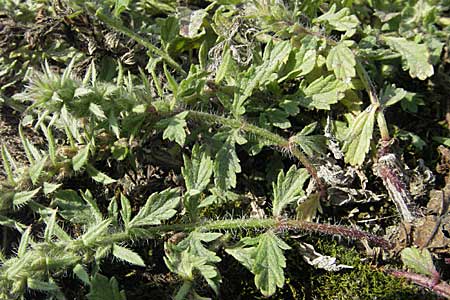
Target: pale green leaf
{"points": [[190, 254], [415, 57], [127, 255], [419, 260], [8, 162], [49, 188], [262, 74], [288, 188], [103, 289], [341, 61], [21, 198], [392, 95], [24, 241], [81, 158], [191, 22], [197, 171], [95, 232], [126, 209], [159, 207], [95, 211], [340, 20], [174, 128], [50, 228], [357, 141], [226, 165], [224, 66], [264, 257], [269, 263], [98, 176], [39, 285], [73, 208], [323, 92], [36, 169], [120, 6], [81, 274], [97, 111]]}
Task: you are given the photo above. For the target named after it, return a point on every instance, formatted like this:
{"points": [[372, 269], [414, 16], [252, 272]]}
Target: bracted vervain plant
{"points": [[240, 94]]}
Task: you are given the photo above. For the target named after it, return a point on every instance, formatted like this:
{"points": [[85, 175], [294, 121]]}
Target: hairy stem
{"points": [[440, 287], [266, 135], [139, 39]]}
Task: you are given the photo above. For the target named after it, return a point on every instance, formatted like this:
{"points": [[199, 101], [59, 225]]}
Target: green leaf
{"points": [[39, 285], [288, 188], [81, 158], [340, 21], [190, 254], [95, 211], [269, 263], [191, 22], [226, 165], [127, 255], [357, 141], [81, 274], [224, 66], [49, 188], [197, 171], [97, 111], [310, 144], [73, 208], [98, 176], [24, 242], [263, 74], [36, 169], [265, 259], [126, 209], [341, 61], [415, 57], [120, 6], [93, 233], [392, 95], [103, 289], [419, 260], [323, 92], [301, 61], [159, 207], [21, 198], [174, 128], [50, 228], [7, 163]]}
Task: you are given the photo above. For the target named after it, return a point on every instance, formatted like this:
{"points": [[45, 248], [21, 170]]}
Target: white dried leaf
{"points": [[320, 261]]}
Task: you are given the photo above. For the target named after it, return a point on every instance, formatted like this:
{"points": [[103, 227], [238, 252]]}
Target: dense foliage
{"points": [[179, 135]]}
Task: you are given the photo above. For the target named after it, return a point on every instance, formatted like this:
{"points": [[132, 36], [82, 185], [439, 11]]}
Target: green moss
{"points": [[361, 282]]}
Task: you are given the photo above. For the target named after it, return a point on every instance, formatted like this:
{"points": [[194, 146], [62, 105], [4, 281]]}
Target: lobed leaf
{"points": [[288, 188], [357, 141], [419, 260], [415, 57], [159, 207], [226, 165], [127, 255], [174, 128], [264, 257], [341, 61]]}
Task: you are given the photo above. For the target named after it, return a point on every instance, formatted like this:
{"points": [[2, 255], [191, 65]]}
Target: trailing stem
{"points": [[439, 287], [140, 40], [266, 135], [76, 251]]}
